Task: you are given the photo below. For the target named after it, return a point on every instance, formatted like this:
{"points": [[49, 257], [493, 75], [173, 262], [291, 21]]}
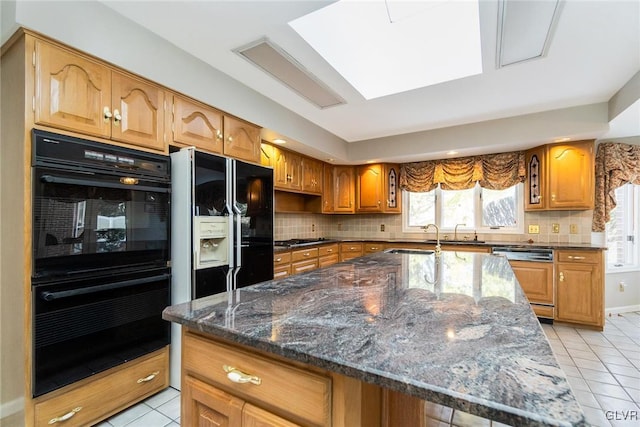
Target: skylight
{"points": [[386, 47]]}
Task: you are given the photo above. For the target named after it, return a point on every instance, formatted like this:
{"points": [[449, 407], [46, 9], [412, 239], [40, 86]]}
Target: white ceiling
{"points": [[594, 51]]}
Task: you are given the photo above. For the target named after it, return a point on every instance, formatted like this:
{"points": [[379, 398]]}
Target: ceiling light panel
{"points": [[386, 47], [282, 66], [525, 28]]}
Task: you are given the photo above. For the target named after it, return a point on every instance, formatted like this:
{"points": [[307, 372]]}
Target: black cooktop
{"points": [[299, 242]]}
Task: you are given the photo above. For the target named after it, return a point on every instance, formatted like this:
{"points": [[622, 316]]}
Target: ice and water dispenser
{"points": [[211, 241]]}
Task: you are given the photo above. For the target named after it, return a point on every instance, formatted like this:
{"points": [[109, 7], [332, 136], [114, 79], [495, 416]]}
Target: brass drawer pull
{"points": [[239, 377], [66, 416], [148, 378], [278, 259], [307, 254], [576, 257], [329, 250]]}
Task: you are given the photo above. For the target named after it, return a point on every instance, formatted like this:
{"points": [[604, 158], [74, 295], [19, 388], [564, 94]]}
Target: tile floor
{"points": [[603, 369]]}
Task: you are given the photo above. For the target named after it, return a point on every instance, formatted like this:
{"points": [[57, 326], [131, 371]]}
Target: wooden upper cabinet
{"points": [[343, 189], [312, 173], [560, 177], [241, 139], [377, 189], [328, 191], [287, 170], [71, 91], [138, 112], [196, 124], [78, 94]]}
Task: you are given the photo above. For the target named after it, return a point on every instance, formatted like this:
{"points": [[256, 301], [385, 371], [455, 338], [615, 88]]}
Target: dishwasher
{"points": [[533, 267]]}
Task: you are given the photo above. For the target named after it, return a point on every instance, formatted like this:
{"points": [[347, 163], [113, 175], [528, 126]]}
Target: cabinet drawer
{"points": [[296, 394], [304, 254], [280, 258], [326, 260], [591, 257], [543, 311], [302, 266], [373, 247], [99, 398], [350, 247], [328, 250], [282, 271]]}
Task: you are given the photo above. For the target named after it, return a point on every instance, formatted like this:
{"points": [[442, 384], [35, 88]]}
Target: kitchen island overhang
{"points": [[454, 329]]}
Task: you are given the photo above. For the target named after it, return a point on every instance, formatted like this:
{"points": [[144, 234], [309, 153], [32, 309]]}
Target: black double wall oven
{"points": [[100, 277]]}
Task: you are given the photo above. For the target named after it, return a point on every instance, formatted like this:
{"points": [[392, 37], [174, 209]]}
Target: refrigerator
{"points": [[221, 230]]}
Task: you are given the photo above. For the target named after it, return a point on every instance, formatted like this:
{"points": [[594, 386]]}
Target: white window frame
{"points": [[462, 231], [631, 218]]}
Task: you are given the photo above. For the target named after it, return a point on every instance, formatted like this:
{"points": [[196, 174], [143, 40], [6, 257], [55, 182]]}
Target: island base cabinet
{"points": [[95, 399]]}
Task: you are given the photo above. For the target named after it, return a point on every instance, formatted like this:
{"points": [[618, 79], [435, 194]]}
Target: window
{"points": [[623, 230], [479, 209]]}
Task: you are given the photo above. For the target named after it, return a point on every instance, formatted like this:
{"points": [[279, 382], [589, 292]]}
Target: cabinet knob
{"points": [[66, 416], [117, 118], [106, 114], [148, 377], [230, 139], [218, 134], [236, 376], [561, 276]]}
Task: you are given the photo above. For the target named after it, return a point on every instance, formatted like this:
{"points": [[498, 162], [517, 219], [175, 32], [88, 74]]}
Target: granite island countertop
{"points": [[455, 330]]}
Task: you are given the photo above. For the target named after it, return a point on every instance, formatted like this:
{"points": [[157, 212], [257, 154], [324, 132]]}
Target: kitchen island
{"points": [[395, 338]]}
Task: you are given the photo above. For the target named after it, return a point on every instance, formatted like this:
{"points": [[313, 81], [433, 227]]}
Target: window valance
{"points": [[493, 171], [616, 165]]}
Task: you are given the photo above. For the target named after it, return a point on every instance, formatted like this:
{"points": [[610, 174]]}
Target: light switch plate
{"points": [[534, 229]]}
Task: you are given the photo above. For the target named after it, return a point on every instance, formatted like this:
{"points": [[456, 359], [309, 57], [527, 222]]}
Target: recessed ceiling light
{"points": [[279, 141], [565, 139], [452, 152]]}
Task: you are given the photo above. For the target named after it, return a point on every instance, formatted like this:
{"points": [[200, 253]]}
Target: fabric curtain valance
{"points": [[616, 164], [493, 171]]}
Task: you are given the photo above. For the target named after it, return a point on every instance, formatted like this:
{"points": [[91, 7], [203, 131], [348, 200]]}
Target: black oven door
{"points": [[82, 327], [84, 222]]}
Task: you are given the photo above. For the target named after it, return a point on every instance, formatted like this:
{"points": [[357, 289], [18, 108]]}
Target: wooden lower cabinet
{"points": [[96, 398], [281, 265], [278, 394], [328, 255], [350, 250], [536, 280], [579, 287]]}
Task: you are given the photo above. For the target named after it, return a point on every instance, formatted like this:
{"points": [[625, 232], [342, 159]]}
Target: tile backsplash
{"points": [[304, 226]]}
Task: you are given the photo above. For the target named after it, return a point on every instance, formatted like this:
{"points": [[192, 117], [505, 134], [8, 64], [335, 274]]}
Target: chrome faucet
{"points": [[438, 250], [455, 231]]}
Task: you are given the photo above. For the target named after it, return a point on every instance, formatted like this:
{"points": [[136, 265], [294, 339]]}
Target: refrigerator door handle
{"points": [[238, 216], [229, 202]]}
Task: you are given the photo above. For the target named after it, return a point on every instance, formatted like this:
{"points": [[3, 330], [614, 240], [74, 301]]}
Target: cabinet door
{"points": [[241, 140], [252, 416], [328, 191], [571, 175], [71, 91], [369, 183], [311, 176], [579, 293], [344, 189], [197, 124], [535, 189], [138, 112], [536, 280], [287, 170], [294, 171], [206, 406]]}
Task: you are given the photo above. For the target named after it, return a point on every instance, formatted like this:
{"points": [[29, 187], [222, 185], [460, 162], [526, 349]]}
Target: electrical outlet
{"points": [[573, 229], [381, 227], [339, 226], [621, 286], [534, 229], [313, 227], [555, 228]]}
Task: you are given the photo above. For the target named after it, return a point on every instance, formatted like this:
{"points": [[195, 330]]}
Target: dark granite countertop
{"points": [[455, 330], [488, 243]]}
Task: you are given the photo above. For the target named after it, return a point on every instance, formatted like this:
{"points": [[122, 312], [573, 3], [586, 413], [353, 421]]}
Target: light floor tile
{"points": [[596, 417], [151, 418], [610, 390], [131, 414], [171, 408], [162, 397]]}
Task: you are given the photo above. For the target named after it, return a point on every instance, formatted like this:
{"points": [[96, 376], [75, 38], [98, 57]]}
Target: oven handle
{"points": [[51, 179], [50, 296]]}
